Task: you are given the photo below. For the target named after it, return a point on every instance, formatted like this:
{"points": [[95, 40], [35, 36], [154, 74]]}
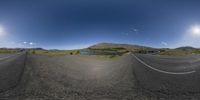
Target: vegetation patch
{"points": [[54, 52], [120, 50], [102, 57], [176, 52], [8, 51], [105, 51]]}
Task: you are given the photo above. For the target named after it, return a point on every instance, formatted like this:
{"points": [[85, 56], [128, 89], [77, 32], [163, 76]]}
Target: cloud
{"points": [[135, 30], [32, 43], [25, 42], [164, 43]]}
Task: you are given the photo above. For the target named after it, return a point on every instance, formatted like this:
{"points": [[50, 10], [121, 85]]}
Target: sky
{"points": [[74, 24]]}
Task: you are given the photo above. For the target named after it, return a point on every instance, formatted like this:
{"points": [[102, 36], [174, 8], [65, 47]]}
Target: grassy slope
{"points": [[103, 57], [180, 52], [76, 52], [54, 52], [133, 48], [109, 50], [8, 51]]}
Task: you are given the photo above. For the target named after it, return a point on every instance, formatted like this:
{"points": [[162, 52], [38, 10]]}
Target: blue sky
{"points": [[62, 24]]}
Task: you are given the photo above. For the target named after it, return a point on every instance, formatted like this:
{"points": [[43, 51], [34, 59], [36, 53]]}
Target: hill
{"points": [[187, 48], [132, 48]]}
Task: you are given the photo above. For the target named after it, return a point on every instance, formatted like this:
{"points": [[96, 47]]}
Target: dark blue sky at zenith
{"points": [[70, 24]]}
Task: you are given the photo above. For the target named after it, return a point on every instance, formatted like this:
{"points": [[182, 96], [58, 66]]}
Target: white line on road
{"points": [[161, 70]]}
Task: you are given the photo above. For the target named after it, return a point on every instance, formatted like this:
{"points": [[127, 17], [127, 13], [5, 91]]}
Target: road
{"points": [[168, 74], [11, 66], [170, 65], [130, 77], [4, 55]]}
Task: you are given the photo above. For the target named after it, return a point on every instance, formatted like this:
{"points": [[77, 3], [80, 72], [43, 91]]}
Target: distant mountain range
{"points": [[186, 48], [128, 47]]}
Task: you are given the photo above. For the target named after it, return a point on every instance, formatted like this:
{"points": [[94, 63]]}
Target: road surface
{"points": [[131, 77], [168, 74], [11, 66]]}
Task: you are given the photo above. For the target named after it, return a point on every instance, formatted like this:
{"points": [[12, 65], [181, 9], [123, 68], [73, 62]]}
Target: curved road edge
{"points": [[158, 70]]}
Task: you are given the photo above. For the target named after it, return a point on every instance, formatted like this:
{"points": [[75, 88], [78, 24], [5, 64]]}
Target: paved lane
{"points": [[170, 75], [76, 78], [4, 55], [86, 78], [11, 67], [173, 65]]}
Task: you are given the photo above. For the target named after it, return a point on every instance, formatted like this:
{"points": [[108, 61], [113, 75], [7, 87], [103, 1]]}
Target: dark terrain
{"points": [[74, 77]]}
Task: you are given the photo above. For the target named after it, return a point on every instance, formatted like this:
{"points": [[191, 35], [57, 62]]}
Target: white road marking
{"points": [[161, 70]]}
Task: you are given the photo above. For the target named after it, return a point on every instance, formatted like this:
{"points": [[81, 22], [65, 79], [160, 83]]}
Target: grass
{"points": [[8, 51], [73, 52], [102, 57], [180, 52], [110, 50], [54, 52]]}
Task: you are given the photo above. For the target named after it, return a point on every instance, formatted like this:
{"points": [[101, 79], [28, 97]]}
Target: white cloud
{"points": [[134, 29], [164, 43], [31, 43], [25, 42]]}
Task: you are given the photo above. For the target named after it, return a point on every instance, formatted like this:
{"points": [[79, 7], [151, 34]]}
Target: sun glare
{"points": [[195, 30]]}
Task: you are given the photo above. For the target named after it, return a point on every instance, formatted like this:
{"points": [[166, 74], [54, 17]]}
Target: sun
{"points": [[195, 30]]}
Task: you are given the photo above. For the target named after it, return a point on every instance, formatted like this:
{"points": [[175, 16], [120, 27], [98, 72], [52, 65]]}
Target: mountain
{"points": [[125, 46], [187, 48]]}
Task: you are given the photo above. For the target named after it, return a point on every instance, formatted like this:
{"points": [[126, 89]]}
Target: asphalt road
{"points": [[4, 55], [171, 75], [176, 65], [131, 77], [74, 78], [11, 68]]}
